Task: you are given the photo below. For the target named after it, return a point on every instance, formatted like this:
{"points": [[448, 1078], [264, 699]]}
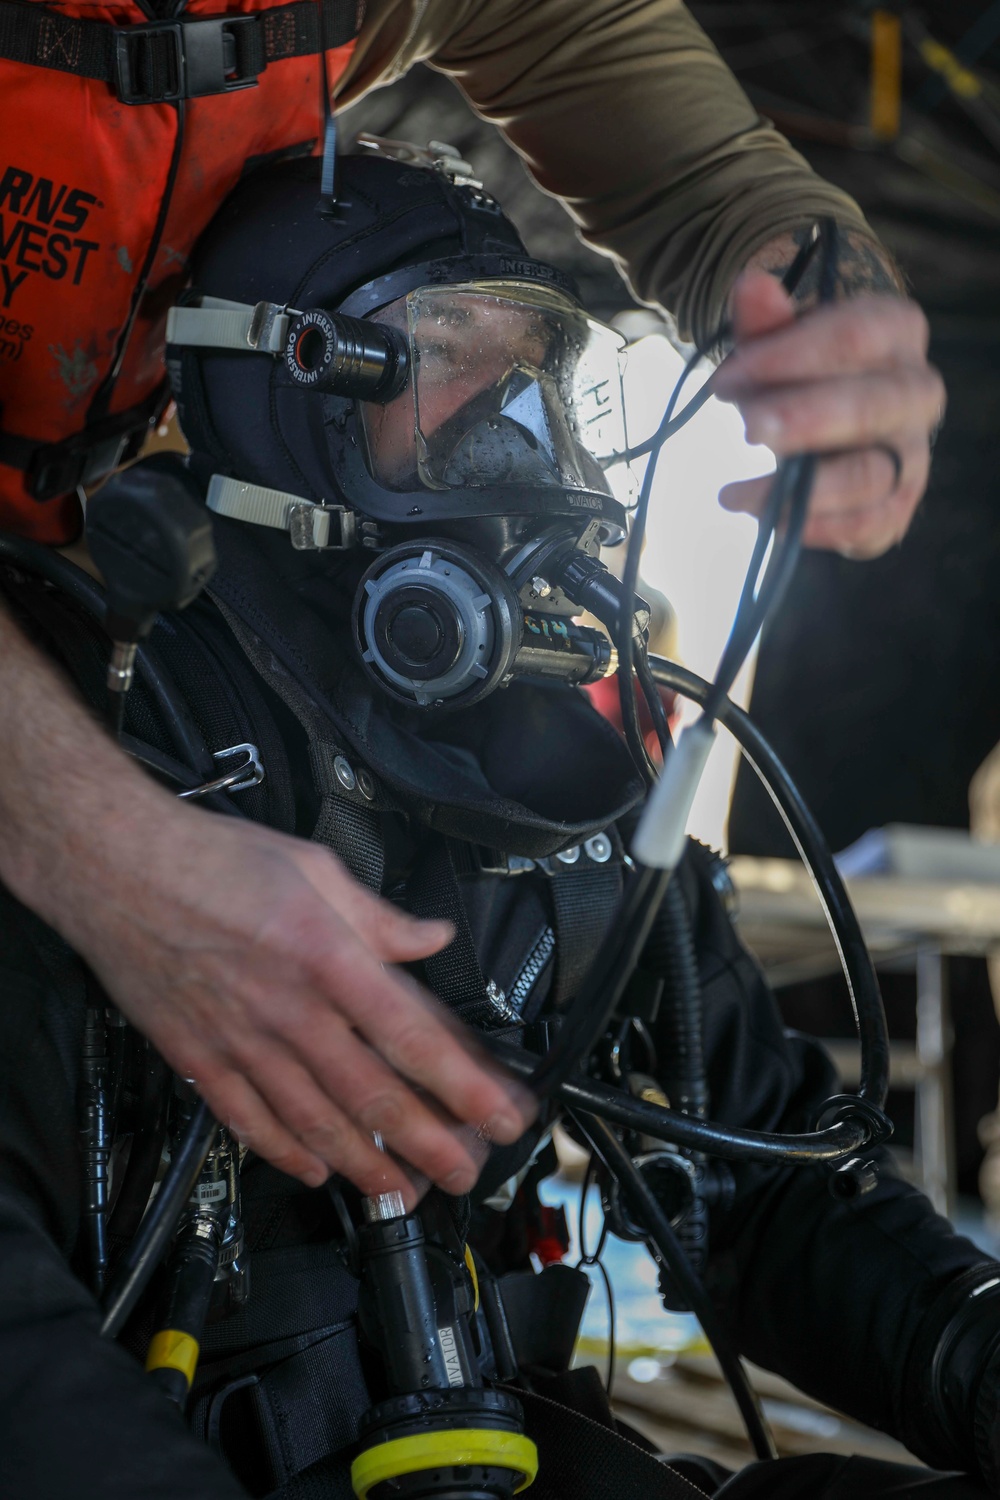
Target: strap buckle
{"points": [[165, 61], [489, 861], [59, 468], [322, 528], [597, 850]]}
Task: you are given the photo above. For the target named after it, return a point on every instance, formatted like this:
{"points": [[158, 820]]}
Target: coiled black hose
{"points": [[670, 953], [806, 834]]}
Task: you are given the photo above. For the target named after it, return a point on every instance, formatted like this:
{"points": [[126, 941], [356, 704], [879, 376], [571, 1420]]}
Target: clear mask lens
{"points": [[511, 384]]}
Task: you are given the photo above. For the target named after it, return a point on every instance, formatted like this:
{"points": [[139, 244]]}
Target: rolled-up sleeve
{"points": [[625, 111]]}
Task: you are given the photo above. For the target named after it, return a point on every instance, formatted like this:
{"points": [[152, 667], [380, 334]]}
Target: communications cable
{"points": [[146, 1251], [595, 1258], [596, 1000], [670, 1253]]}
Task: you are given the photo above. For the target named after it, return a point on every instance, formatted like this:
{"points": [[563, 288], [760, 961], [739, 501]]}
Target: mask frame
{"points": [[422, 507]]}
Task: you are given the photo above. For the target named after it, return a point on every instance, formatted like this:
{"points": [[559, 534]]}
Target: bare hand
{"points": [[850, 381], [262, 970]]}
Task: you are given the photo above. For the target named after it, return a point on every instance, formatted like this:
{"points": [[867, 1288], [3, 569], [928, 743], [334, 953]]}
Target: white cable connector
{"points": [[659, 839]]}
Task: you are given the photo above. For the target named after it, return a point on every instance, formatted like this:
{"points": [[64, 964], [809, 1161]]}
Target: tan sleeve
{"points": [[625, 111]]}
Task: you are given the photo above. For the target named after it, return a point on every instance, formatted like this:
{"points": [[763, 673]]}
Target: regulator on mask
{"points": [[458, 417]]}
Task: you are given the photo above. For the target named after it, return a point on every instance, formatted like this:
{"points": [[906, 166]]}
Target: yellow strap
{"points": [[938, 57], [886, 74], [448, 1448], [471, 1263], [170, 1349]]}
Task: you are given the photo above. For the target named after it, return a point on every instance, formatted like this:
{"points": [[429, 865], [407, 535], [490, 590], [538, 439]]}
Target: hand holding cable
{"points": [[850, 382], [659, 840]]}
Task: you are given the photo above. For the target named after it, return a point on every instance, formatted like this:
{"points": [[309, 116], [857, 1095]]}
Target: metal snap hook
{"points": [[234, 781]]}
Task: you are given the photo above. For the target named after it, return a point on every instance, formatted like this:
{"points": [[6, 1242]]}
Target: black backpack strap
{"points": [[345, 824], [581, 1456], [280, 1385], [164, 61], [585, 897], [279, 1409], [455, 975], [351, 797], [54, 469]]}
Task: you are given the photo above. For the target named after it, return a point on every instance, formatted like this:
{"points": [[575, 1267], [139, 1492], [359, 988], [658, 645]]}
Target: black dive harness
{"points": [[489, 815]]}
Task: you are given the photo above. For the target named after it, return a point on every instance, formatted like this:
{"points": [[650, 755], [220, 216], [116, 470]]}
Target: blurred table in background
{"points": [[909, 923]]}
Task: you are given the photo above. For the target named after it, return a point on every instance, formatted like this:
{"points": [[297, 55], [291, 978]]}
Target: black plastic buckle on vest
{"points": [[171, 60], [487, 861], [597, 850], [52, 470], [58, 470]]}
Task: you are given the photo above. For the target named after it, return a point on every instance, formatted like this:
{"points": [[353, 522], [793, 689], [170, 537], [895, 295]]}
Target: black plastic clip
{"points": [[171, 60], [852, 1108]]}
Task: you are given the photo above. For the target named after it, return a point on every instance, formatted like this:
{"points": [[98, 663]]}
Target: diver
{"points": [[175, 101], [411, 440]]}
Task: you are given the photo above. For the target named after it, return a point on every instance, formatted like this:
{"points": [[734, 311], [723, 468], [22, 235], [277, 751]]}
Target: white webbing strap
{"points": [[218, 324], [308, 522]]}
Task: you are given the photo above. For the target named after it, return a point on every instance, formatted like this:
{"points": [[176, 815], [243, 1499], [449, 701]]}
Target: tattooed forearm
{"points": [[863, 265]]}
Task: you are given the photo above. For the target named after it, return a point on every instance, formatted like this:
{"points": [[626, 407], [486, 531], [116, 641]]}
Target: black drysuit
{"points": [[833, 1295]]}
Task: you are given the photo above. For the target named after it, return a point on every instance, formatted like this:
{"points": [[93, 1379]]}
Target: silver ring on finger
{"points": [[892, 454]]}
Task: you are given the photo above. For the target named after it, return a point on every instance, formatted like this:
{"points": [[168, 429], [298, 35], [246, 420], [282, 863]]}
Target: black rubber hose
{"points": [[147, 1249], [787, 503], [191, 1271], [147, 1146], [670, 953], [842, 1139], [88, 594], [654, 702], [632, 728], [807, 836], [667, 1248]]}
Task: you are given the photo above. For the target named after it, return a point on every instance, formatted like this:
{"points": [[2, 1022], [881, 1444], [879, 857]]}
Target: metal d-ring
{"points": [[233, 781]]}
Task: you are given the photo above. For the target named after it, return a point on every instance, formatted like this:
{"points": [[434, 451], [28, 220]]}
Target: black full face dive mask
{"points": [[460, 418]]}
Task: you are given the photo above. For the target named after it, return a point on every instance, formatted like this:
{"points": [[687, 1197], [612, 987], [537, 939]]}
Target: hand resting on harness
{"points": [[254, 962]]}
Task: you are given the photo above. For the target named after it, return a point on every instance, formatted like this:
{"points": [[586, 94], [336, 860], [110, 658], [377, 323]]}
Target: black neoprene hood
{"points": [[393, 228]]}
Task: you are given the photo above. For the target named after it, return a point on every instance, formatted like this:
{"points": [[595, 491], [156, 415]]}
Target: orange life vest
{"points": [[119, 138]]}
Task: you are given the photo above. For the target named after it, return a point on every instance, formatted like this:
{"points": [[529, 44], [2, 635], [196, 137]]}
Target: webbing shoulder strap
{"points": [[84, 457], [344, 824], [188, 58], [455, 974], [585, 898], [579, 1456], [351, 798]]}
